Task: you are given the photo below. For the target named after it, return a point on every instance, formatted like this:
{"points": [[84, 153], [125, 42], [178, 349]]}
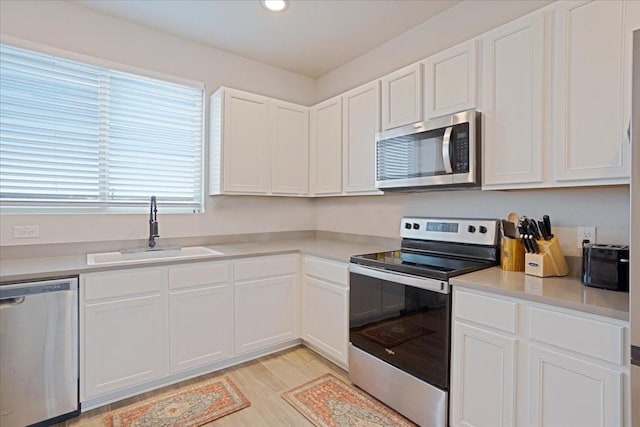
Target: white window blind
{"points": [[78, 135]]}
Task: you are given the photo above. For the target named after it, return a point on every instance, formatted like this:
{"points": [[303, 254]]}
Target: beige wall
{"points": [[68, 26]]}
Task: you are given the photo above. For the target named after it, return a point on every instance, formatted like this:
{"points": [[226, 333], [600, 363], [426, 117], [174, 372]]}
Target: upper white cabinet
{"points": [[512, 102], [402, 97], [592, 93], [451, 80], [360, 122], [325, 159], [258, 145], [290, 148]]}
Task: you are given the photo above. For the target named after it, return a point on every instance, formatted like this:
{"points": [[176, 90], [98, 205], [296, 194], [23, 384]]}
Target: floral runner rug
{"points": [[190, 406]]}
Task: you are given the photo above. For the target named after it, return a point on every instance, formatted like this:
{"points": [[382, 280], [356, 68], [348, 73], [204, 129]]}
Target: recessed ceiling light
{"points": [[275, 5]]}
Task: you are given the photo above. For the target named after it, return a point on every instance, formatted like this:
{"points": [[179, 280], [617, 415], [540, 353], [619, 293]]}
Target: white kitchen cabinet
{"points": [[123, 329], [266, 302], [568, 391], [360, 122], [325, 159], [257, 145], [512, 102], [325, 308], [200, 314], [290, 148], [517, 362], [592, 93], [483, 380], [402, 97], [451, 80], [239, 144]]}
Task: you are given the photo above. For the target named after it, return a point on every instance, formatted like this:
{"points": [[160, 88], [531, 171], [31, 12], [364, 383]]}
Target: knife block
{"points": [[512, 255], [549, 262]]}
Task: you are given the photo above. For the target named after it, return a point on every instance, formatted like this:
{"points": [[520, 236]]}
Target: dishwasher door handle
{"points": [[10, 302]]}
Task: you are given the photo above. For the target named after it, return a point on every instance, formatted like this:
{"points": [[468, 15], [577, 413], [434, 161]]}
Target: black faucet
{"points": [[153, 223]]}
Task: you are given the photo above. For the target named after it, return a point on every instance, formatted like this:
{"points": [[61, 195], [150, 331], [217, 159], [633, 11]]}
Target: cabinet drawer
{"points": [[196, 275], [327, 270], [123, 283], [488, 311], [583, 335], [254, 268]]}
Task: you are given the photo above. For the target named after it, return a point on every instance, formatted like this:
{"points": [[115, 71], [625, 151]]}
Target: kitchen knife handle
{"points": [[547, 224], [534, 244]]}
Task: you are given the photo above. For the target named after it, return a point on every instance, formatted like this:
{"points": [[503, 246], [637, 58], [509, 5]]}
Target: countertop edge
{"points": [[461, 282]]}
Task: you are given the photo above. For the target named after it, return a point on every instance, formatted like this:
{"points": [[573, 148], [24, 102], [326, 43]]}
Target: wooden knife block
{"points": [[549, 262]]}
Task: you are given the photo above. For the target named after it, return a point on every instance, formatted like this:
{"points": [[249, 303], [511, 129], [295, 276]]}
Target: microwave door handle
{"points": [[446, 157]]}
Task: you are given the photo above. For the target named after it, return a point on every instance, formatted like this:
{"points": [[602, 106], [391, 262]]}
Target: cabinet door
{"points": [[590, 127], [402, 97], [450, 80], [290, 148], [512, 102], [325, 318], [200, 315], [566, 391], [482, 378], [361, 121], [123, 330], [246, 149], [326, 147], [266, 312]]}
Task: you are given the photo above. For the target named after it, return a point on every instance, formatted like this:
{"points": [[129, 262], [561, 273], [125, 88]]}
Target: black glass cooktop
{"points": [[434, 266]]}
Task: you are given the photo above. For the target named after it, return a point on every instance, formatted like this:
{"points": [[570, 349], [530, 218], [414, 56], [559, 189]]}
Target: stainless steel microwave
{"points": [[441, 153]]}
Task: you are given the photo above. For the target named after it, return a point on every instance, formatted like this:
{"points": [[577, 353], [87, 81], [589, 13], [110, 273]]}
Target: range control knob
{"points": [[407, 225], [482, 229], [471, 229], [416, 226]]}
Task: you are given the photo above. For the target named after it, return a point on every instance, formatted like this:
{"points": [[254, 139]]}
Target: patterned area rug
{"points": [[189, 407], [329, 402]]}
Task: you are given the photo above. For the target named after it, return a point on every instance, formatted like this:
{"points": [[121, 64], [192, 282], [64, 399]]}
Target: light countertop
{"points": [[24, 269], [567, 292]]}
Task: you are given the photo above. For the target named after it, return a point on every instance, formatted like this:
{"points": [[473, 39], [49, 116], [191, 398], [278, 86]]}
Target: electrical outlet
{"points": [[586, 233], [26, 232]]}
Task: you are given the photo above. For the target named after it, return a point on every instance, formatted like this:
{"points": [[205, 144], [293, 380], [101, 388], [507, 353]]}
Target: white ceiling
{"points": [[311, 37]]}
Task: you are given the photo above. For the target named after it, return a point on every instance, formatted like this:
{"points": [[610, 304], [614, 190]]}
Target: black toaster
{"points": [[606, 266]]}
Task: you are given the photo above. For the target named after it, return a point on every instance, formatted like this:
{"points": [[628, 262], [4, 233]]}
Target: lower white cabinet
{"points": [[568, 391], [123, 329], [484, 379], [325, 308], [266, 302], [200, 315], [516, 362]]}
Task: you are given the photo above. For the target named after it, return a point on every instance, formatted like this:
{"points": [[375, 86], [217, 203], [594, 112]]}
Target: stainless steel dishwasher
{"points": [[38, 352]]}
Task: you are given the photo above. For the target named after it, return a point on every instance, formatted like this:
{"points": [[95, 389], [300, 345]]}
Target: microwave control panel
{"points": [[461, 148]]}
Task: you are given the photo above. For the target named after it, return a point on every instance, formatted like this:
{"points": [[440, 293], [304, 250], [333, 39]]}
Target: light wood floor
{"points": [[262, 381]]}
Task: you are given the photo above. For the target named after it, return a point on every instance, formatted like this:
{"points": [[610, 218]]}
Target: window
{"points": [[75, 136]]}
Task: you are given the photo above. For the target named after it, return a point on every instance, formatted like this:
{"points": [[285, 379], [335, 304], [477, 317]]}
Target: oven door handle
{"points": [[402, 278]]}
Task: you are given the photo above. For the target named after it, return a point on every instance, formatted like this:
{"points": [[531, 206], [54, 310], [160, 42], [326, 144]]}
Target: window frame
{"points": [[111, 207]]}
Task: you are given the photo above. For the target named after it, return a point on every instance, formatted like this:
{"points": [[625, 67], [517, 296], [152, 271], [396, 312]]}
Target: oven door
{"points": [[403, 320]]}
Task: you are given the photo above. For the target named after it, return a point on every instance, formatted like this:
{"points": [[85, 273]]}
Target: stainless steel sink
{"points": [[149, 255]]}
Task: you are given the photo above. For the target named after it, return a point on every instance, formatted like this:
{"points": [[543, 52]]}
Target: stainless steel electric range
{"points": [[400, 312]]}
